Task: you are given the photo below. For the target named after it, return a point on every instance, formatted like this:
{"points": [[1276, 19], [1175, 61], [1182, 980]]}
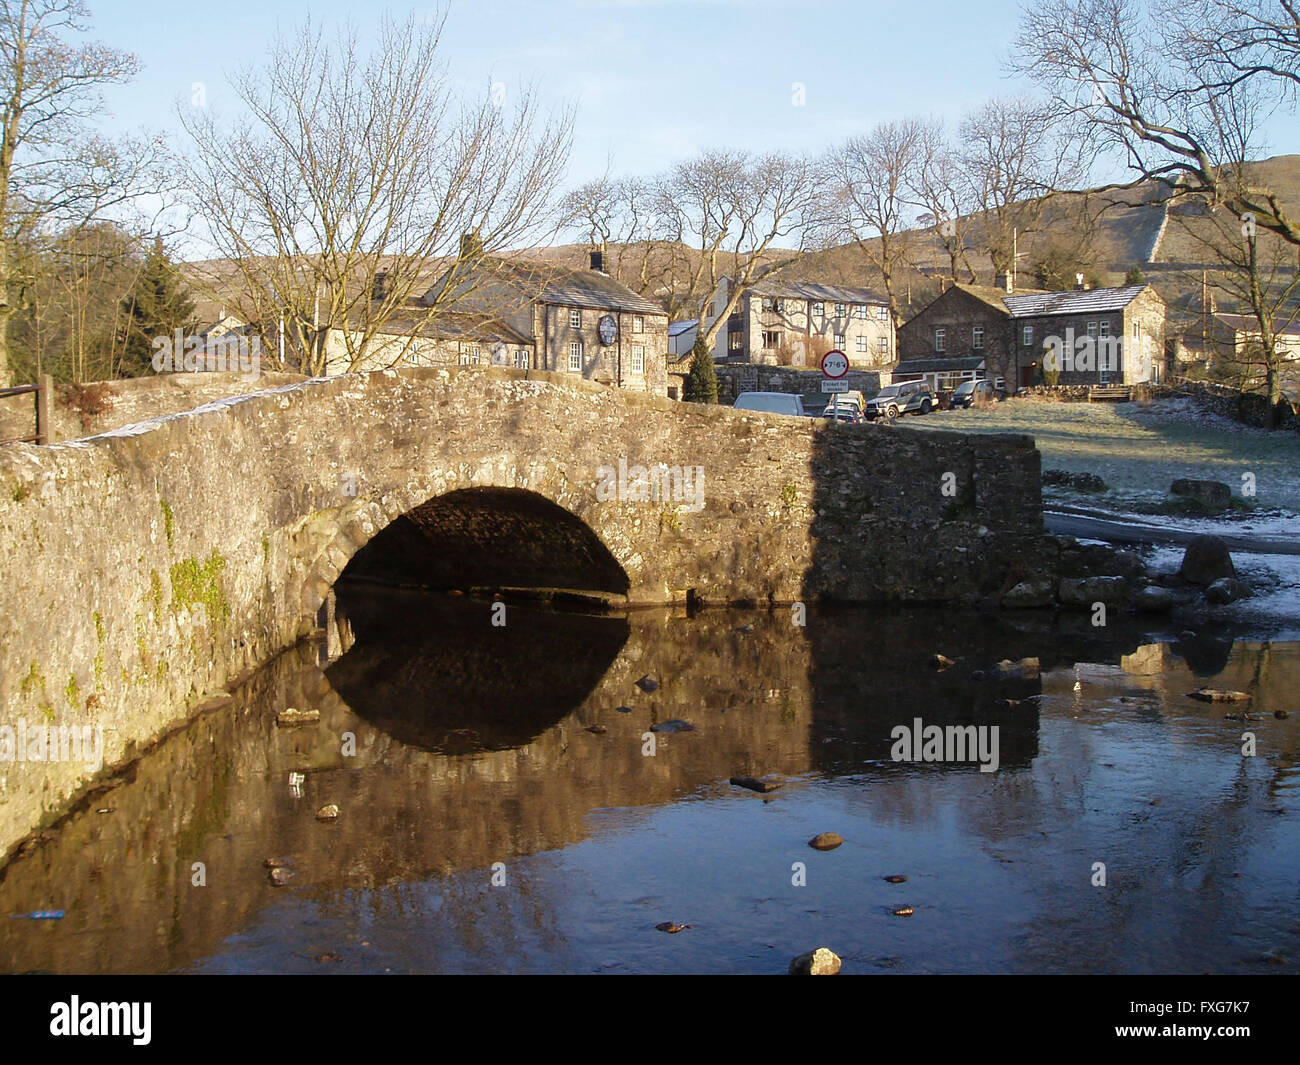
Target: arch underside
{"points": [[491, 538]]}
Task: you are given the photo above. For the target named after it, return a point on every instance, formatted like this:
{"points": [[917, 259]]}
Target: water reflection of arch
{"points": [[437, 674]]}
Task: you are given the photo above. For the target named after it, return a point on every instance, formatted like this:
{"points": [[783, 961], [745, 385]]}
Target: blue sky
{"points": [[654, 80]]}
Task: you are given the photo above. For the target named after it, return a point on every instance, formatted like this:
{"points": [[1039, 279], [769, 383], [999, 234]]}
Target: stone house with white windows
{"points": [[796, 322], [1091, 336], [531, 316]]}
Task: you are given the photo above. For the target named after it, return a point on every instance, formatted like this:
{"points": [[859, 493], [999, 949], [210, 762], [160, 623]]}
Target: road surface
{"points": [[1132, 531]]}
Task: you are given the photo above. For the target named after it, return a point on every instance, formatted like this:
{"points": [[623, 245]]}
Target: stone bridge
{"points": [[146, 569]]}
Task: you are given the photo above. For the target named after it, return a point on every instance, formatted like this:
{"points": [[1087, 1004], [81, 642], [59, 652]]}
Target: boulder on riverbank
{"points": [[1227, 590], [1206, 560], [1210, 497]]}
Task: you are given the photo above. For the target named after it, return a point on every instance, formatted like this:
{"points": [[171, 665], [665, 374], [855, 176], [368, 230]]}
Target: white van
{"points": [[771, 402]]}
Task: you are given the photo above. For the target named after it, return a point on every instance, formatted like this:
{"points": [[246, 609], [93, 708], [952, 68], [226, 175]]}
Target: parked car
{"points": [[969, 391], [848, 414], [904, 398], [853, 399], [771, 402]]}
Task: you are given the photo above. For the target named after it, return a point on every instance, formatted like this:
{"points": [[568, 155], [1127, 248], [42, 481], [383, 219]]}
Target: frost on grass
{"points": [[1139, 450]]}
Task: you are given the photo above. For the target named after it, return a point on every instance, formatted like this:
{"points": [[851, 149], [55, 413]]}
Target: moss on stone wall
{"points": [[195, 582], [169, 522]]}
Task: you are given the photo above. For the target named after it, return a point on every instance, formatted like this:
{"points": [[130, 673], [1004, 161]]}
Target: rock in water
{"points": [[1154, 600], [895, 879], [942, 662], [675, 724], [327, 812], [1084, 592], [904, 911], [1029, 594], [826, 841], [1026, 668], [280, 877], [597, 730], [1206, 560], [1227, 590], [1218, 695], [670, 928], [756, 784], [648, 683], [819, 962]]}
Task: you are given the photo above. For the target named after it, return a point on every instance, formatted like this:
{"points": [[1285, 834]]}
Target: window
{"points": [[1092, 330], [575, 319], [819, 309], [840, 310], [882, 346], [771, 338], [1027, 336], [521, 358], [862, 343], [882, 313], [859, 310], [638, 323], [1105, 329], [840, 341], [780, 306], [768, 304], [736, 342], [575, 354], [977, 338], [469, 355], [638, 358], [1137, 332], [941, 339]]}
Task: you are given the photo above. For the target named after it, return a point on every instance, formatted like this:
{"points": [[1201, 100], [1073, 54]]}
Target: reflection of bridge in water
{"points": [[494, 760]]}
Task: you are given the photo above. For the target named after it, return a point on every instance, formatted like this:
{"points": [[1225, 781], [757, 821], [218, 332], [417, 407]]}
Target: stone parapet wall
{"points": [[130, 400]]}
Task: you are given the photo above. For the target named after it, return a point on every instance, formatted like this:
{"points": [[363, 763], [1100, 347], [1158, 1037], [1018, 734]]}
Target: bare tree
{"points": [[739, 212], [871, 203], [55, 174], [353, 175], [1017, 160], [940, 186], [1152, 80]]}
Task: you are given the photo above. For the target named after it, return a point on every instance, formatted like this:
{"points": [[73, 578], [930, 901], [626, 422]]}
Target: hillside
{"points": [[1099, 233]]}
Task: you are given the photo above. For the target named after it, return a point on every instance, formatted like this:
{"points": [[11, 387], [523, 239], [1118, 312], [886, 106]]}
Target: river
{"points": [[511, 800]]}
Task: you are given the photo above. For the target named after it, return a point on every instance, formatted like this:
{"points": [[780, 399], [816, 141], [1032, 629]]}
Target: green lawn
{"points": [[1140, 450]]}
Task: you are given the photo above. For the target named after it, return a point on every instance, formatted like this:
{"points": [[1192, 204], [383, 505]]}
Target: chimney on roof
{"points": [[598, 258], [471, 245], [1002, 280], [1079, 284], [379, 287]]}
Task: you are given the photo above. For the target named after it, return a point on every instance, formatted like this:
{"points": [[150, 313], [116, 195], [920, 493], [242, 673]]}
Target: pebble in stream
{"points": [[826, 841]]}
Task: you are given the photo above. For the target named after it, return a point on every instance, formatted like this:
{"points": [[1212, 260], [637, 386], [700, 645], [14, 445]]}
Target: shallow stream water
{"points": [[472, 761]]}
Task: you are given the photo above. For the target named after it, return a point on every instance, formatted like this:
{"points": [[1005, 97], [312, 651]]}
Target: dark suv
{"points": [[905, 398], [970, 391]]}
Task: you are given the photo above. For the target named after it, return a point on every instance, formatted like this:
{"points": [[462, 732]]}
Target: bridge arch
{"points": [[489, 537]]}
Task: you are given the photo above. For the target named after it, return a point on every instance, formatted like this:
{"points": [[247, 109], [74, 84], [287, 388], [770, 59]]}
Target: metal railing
{"points": [[43, 390]]}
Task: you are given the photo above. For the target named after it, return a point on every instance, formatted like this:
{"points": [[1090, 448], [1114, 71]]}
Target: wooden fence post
{"points": [[44, 409]]}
